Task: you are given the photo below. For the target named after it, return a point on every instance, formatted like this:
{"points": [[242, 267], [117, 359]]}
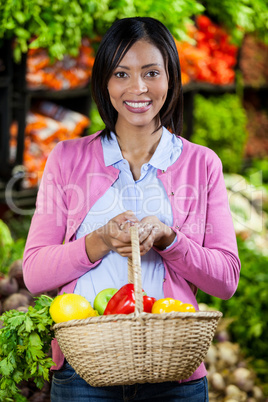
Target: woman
{"points": [[138, 170]]}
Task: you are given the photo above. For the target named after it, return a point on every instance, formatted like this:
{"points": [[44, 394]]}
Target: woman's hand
{"points": [[153, 232], [114, 236]]}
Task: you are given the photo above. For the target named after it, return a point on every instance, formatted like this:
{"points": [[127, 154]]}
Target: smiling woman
{"points": [[146, 45], [137, 171], [138, 88]]}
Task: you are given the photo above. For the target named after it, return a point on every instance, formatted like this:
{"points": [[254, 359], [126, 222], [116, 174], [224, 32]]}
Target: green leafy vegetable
{"points": [[241, 16], [96, 122], [6, 243], [24, 345], [220, 124], [60, 25], [10, 249]]}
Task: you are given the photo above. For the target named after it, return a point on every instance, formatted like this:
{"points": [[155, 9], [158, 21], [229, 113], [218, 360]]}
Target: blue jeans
{"points": [[69, 386]]}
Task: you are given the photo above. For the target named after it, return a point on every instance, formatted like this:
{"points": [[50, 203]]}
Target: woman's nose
{"points": [[137, 85]]}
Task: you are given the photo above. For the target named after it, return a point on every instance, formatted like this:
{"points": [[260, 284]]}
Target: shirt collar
{"points": [[161, 158], [111, 150]]}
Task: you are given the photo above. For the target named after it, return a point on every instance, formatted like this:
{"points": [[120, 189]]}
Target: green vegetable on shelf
{"points": [[6, 242], [10, 249], [240, 17], [24, 346], [60, 25], [220, 124]]}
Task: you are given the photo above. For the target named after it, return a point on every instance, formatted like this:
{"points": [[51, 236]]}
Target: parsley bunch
{"points": [[24, 345]]}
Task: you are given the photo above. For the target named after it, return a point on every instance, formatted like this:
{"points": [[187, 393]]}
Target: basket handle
{"points": [[134, 269]]}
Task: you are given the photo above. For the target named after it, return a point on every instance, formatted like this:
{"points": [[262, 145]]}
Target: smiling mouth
{"points": [[138, 105]]}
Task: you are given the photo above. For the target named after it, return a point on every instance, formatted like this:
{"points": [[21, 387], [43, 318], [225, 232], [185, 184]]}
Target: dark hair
{"points": [[115, 44]]}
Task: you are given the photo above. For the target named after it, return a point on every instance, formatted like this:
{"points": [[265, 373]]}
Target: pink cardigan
{"points": [[205, 255]]}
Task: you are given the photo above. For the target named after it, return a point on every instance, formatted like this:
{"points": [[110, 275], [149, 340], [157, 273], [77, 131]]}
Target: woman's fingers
{"points": [[127, 216], [144, 231], [125, 226], [116, 233], [125, 251], [148, 243]]}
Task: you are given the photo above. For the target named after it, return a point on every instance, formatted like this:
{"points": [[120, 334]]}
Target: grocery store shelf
{"points": [[262, 87], [4, 81], [212, 88], [206, 87], [76, 92], [59, 94], [18, 198]]}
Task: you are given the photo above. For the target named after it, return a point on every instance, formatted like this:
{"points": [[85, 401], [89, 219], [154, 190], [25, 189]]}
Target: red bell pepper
{"points": [[123, 301]]}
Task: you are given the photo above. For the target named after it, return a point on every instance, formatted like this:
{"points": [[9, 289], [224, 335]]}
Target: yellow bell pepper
{"points": [[168, 305], [187, 308]]}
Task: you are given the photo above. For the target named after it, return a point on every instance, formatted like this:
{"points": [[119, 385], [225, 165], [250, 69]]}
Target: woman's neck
{"points": [[139, 144], [138, 147]]}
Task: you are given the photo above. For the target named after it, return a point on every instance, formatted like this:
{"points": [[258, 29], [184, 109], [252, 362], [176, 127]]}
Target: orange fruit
{"points": [[70, 306]]}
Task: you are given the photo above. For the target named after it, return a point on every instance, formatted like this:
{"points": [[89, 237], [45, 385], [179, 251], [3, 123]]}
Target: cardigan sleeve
{"points": [[211, 262], [48, 261]]}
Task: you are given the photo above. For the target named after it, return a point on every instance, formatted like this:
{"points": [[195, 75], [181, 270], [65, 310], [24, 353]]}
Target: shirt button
{"points": [[146, 167]]}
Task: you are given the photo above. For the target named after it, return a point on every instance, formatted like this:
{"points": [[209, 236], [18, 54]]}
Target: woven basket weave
{"points": [[139, 347]]}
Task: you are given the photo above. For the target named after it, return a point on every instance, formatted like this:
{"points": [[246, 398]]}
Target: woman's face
{"points": [[138, 87]]}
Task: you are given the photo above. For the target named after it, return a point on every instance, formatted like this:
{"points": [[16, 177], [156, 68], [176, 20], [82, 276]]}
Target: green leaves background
{"points": [[60, 25]]}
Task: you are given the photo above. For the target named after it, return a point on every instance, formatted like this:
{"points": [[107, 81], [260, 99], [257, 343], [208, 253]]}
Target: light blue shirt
{"points": [[145, 196]]}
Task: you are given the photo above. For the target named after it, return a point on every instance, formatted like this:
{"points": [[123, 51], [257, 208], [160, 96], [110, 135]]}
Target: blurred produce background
{"points": [[47, 50]]}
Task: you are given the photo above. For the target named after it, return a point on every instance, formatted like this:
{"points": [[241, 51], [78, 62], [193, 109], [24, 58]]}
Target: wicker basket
{"points": [[138, 347]]}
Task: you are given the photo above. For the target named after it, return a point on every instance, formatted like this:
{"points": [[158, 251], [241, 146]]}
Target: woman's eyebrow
{"points": [[124, 67], [152, 65], [145, 66]]}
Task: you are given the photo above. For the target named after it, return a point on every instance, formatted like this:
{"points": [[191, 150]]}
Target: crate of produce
{"points": [[139, 347]]}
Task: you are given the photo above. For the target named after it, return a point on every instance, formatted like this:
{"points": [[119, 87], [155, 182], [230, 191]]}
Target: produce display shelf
{"points": [[206, 87], [5, 81], [18, 198], [59, 94], [262, 87]]}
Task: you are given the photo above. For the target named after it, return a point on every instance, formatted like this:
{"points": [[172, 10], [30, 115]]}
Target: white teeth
{"points": [[137, 105]]}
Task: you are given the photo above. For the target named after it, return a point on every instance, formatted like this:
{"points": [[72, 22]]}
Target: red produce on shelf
{"points": [[192, 61], [221, 53], [71, 72], [212, 59], [46, 125]]}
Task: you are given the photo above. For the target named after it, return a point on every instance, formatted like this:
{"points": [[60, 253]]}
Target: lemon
{"points": [[70, 306]]}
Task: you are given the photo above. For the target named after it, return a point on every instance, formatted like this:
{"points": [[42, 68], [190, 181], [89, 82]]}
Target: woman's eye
{"points": [[120, 74], [152, 73]]}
